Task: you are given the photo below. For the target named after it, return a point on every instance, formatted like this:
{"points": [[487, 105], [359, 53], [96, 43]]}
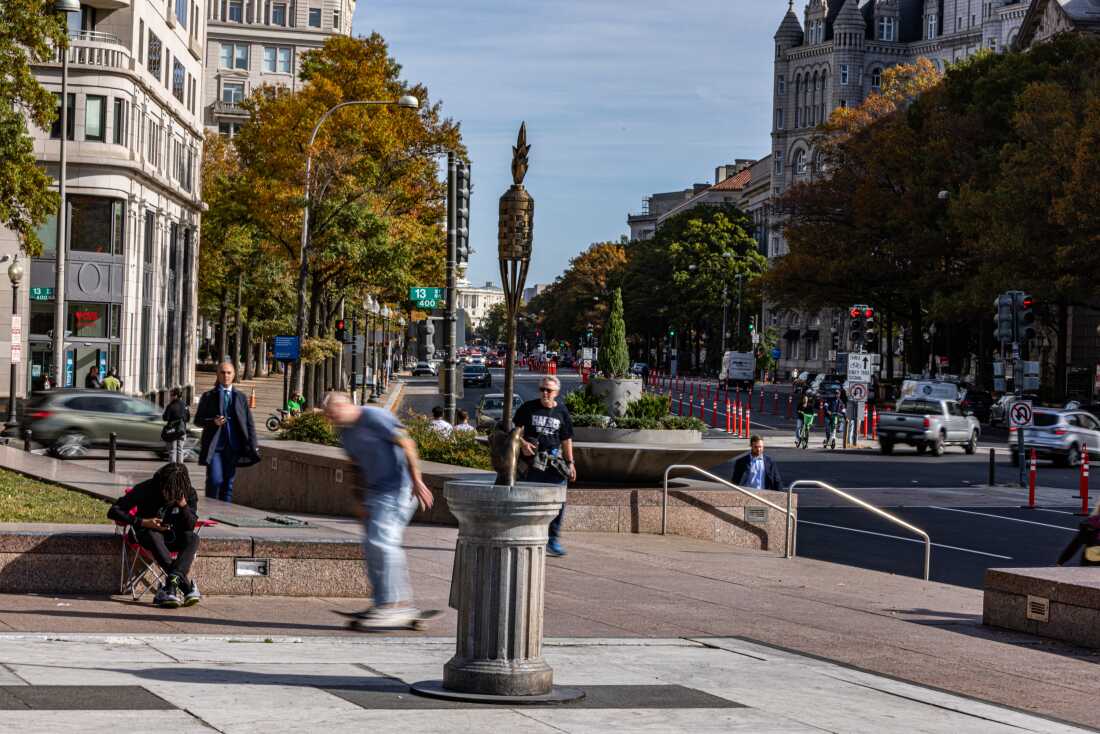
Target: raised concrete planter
{"points": [[588, 434], [87, 560], [1060, 603], [616, 394], [644, 464]]}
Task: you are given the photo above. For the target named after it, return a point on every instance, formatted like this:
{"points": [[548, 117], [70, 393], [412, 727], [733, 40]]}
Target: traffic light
{"points": [[855, 325], [1025, 317], [462, 212], [341, 331], [1005, 304], [869, 332]]}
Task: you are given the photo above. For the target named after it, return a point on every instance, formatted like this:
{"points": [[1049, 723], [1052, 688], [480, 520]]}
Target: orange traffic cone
{"points": [[252, 399]]}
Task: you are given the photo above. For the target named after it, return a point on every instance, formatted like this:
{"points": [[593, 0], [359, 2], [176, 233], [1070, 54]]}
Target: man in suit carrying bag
{"points": [[754, 470], [228, 434]]}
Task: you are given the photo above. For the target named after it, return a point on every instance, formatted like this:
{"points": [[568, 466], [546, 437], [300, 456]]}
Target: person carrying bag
{"points": [[176, 416]]}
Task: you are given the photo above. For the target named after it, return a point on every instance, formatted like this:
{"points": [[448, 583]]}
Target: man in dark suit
{"points": [[754, 470], [228, 434]]}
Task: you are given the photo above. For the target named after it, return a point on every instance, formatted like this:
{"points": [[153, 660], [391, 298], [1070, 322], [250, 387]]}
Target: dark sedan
{"points": [[477, 375]]}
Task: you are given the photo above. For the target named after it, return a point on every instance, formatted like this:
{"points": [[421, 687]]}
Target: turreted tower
{"points": [[849, 34]]}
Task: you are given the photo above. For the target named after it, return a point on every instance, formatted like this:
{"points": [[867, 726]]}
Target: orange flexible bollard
{"points": [[1031, 475], [748, 420], [1084, 486], [728, 418], [874, 424]]}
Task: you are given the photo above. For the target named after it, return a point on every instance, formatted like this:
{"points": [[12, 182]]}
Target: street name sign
{"points": [[427, 298], [41, 294], [860, 367], [1020, 413]]}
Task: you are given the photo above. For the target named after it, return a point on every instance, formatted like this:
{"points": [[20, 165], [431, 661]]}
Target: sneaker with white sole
{"points": [[192, 597], [388, 618], [171, 597]]}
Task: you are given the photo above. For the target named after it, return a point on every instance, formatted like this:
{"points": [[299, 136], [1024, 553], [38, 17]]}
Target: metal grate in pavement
{"points": [[392, 694], [80, 698]]}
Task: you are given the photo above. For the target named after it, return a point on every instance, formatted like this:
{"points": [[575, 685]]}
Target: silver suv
{"points": [[1060, 435]]}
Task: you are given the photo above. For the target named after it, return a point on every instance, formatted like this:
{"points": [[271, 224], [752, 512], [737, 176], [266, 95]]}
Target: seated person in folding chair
{"points": [[164, 523]]}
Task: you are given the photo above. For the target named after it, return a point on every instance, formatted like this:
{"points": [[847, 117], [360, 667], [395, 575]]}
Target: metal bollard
{"points": [[27, 440], [992, 467], [112, 449]]}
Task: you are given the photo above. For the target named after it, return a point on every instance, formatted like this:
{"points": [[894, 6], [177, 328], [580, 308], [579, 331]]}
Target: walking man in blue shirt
{"points": [[228, 434], [392, 490], [754, 470]]}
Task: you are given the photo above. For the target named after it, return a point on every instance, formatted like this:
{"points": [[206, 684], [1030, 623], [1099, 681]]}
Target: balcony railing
{"points": [[93, 48], [229, 108], [95, 36]]}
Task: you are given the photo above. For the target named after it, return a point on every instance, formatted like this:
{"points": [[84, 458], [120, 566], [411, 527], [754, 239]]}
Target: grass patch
{"points": [[28, 500]]}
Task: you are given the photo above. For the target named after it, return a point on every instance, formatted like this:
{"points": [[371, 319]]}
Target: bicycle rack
{"points": [[867, 506]]}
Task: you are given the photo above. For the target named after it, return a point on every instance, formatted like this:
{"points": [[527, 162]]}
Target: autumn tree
{"points": [[581, 295], [30, 32]]}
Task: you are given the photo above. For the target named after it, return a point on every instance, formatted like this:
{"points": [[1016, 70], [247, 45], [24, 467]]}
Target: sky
{"points": [[622, 98]]}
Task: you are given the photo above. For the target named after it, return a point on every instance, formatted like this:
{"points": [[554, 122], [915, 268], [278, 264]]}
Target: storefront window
{"points": [[41, 317], [88, 320]]}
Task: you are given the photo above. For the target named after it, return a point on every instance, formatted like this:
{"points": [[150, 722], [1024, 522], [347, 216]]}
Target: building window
{"points": [[972, 20], [88, 319], [95, 118], [843, 104], [781, 85], [234, 56], [179, 75], [229, 129], [932, 26], [70, 122], [958, 24], [336, 21], [141, 41], [278, 14], [284, 60], [844, 75], [314, 18], [232, 92], [993, 44], [797, 117], [792, 349], [150, 230], [811, 349], [779, 161], [800, 163], [778, 50], [96, 224], [153, 63], [876, 78], [269, 58], [887, 29], [236, 11], [779, 119], [181, 12]]}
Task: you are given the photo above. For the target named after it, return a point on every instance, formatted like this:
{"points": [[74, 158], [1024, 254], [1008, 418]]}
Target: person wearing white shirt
{"points": [[440, 426], [462, 422]]}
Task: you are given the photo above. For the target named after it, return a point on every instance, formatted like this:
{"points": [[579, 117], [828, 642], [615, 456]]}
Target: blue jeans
{"points": [[387, 515], [549, 476], [220, 471]]}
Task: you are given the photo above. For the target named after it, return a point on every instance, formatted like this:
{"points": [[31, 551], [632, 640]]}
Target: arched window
{"points": [[876, 78], [800, 163]]}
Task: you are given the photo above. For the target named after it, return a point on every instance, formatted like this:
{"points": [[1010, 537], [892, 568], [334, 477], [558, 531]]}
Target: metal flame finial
{"points": [[519, 156]]}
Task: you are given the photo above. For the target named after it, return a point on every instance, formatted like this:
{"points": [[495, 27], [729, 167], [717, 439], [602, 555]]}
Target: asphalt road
{"points": [[526, 386]]}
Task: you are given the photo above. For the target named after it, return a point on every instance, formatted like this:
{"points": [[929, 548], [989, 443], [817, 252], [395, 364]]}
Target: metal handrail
{"points": [[788, 546], [866, 506]]}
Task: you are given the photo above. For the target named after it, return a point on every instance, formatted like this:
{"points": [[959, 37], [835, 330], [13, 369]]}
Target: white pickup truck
{"points": [[929, 424]]}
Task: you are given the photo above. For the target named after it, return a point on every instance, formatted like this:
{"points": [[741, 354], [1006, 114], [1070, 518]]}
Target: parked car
{"points": [[476, 359], [424, 368], [477, 375], [490, 409], [929, 425], [980, 402], [73, 421], [636, 368], [1059, 435], [494, 361]]}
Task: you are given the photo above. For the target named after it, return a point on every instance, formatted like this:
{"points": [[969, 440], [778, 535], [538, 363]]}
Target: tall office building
{"points": [[252, 43]]}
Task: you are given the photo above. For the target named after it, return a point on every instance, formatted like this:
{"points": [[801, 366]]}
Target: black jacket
{"points": [[176, 411], [92, 381], [772, 480], [210, 408], [147, 497]]}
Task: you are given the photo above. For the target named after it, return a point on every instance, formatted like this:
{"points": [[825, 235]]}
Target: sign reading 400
{"points": [[427, 297]]}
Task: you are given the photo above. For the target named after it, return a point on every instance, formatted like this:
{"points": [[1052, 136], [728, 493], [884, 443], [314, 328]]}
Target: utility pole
{"points": [[354, 350], [449, 334]]}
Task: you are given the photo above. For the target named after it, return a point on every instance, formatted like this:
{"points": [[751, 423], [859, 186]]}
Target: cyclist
{"points": [[805, 420], [834, 414]]}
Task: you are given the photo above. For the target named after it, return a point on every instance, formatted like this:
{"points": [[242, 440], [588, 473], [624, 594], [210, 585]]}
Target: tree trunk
{"points": [[223, 328], [1060, 357], [261, 357], [889, 346], [237, 332], [315, 330], [246, 339]]}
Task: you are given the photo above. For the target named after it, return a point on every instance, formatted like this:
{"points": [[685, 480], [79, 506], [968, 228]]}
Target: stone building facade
{"points": [[134, 143], [835, 57], [252, 43]]}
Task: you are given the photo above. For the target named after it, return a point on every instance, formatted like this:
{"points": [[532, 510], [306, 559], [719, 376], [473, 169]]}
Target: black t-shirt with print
{"points": [[550, 426]]}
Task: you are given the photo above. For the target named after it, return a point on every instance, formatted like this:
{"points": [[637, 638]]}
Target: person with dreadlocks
{"points": [[163, 511]]}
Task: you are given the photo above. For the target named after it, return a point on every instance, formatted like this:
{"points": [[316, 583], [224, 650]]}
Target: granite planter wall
{"points": [[616, 393], [1059, 603]]}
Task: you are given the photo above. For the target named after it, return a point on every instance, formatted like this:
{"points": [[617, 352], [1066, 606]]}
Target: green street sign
{"points": [[428, 298], [41, 294]]}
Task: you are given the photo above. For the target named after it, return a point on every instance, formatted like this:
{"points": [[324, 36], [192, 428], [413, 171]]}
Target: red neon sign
{"points": [[86, 316]]}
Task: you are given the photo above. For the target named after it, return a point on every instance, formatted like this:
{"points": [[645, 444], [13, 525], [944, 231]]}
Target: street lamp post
{"points": [[15, 273], [372, 310], [407, 102], [59, 317]]}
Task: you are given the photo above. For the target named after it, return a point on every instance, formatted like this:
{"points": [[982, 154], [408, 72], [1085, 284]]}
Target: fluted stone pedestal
{"points": [[497, 589]]}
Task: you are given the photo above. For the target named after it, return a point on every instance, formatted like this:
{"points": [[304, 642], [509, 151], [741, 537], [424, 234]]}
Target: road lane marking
{"points": [[1060, 512], [1002, 517], [899, 537]]}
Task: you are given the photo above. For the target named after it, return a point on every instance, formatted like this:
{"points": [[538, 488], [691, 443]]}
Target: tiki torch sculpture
{"points": [[517, 212]]}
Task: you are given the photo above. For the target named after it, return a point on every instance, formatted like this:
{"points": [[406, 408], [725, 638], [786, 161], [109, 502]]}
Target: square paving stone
{"points": [[80, 698]]}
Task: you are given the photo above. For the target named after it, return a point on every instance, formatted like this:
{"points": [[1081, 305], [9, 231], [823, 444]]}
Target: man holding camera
{"points": [[548, 440]]}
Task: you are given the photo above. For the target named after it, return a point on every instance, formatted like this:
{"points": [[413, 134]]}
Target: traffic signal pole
{"points": [[449, 335], [354, 352]]}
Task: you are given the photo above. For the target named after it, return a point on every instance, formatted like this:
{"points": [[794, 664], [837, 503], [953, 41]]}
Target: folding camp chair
{"points": [[139, 572]]}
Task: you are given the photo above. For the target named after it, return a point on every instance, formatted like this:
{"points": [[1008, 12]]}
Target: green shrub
{"points": [[638, 424], [311, 427], [582, 402], [589, 420], [682, 423], [460, 449], [648, 406], [614, 358]]}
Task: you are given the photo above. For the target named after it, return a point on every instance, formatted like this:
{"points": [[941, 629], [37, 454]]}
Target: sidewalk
{"points": [[652, 588]]}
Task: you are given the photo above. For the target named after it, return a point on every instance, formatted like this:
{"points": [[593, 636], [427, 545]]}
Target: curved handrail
{"points": [[867, 506], [788, 546]]}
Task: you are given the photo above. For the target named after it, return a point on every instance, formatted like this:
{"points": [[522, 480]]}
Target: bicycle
{"points": [[803, 439], [832, 423]]}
